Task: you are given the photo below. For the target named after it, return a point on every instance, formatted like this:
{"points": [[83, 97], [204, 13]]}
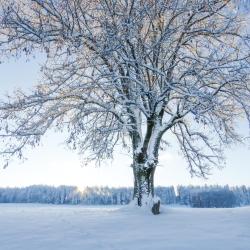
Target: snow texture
{"points": [[54, 227]]}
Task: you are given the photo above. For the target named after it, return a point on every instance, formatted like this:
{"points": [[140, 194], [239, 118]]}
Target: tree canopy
{"points": [[130, 72]]}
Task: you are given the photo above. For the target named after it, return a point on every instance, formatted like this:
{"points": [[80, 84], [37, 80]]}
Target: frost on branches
{"points": [[130, 73]]}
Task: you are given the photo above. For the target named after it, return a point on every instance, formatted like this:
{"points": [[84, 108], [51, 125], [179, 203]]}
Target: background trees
{"points": [[130, 72], [194, 196]]}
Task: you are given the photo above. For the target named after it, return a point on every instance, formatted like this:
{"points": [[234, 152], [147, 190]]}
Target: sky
{"points": [[53, 163]]}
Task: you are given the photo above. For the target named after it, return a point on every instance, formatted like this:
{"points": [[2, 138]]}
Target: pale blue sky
{"points": [[53, 164]]}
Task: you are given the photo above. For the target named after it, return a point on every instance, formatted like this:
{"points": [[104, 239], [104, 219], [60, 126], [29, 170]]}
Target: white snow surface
{"points": [[54, 227]]}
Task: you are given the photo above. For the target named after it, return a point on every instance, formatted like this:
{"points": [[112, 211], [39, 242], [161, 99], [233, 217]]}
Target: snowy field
{"points": [[53, 227]]}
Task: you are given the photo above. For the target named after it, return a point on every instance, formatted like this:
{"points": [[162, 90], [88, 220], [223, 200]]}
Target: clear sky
{"points": [[54, 164]]}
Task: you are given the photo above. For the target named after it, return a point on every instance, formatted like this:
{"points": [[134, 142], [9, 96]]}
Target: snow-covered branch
{"points": [[130, 69]]}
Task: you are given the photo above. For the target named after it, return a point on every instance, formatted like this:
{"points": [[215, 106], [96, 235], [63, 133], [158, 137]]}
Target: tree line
{"points": [[194, 196], [213, 196]]}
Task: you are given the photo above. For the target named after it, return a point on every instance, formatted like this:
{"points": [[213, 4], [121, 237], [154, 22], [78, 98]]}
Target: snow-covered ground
{"points": [[51, 227]]}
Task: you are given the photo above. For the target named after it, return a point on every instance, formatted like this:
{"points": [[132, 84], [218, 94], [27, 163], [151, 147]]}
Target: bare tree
{"points": [[130, 72]]}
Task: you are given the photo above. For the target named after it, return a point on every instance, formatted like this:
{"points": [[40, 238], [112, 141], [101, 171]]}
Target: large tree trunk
{"points": [[145, 159], [144, 186], [143, 183]]}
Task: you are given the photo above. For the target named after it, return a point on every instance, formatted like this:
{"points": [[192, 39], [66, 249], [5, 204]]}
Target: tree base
{"points": [[148, 203]]}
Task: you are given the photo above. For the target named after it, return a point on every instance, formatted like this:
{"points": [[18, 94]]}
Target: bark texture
{"points": [[144, 185]]}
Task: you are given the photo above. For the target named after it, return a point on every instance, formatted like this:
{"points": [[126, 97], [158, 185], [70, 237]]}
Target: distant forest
{"points": [[194, 196]]}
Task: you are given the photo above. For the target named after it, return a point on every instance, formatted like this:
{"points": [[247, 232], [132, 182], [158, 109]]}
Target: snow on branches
{"points": [[136, 69]]}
